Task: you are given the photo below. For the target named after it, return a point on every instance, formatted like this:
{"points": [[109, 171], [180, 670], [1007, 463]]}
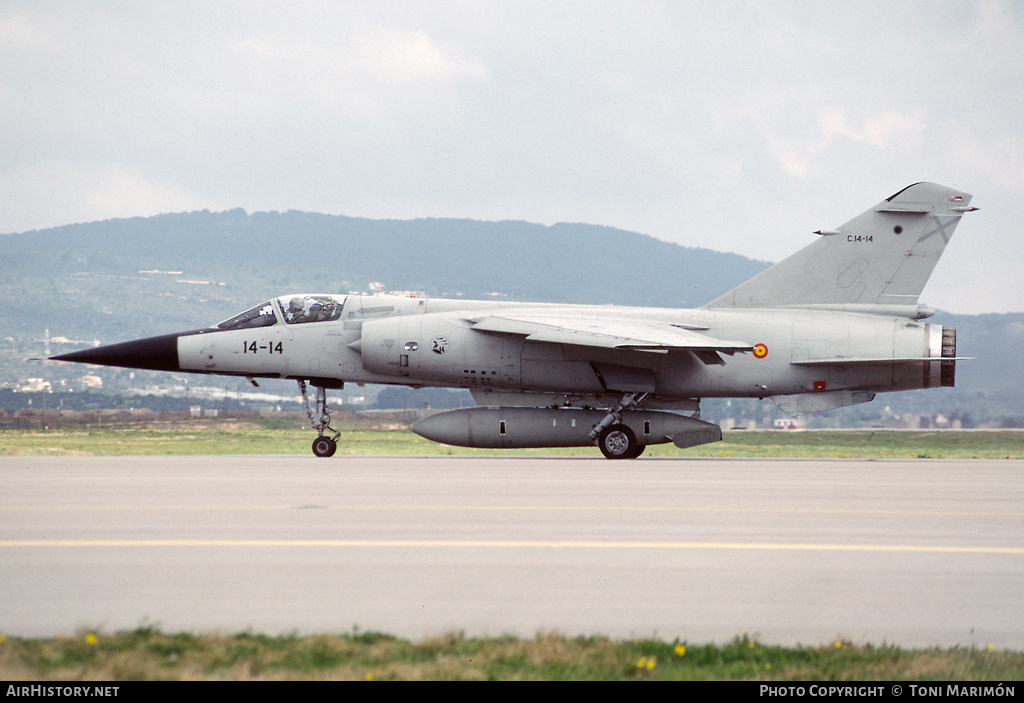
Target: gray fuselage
{"points": [[427, 342]]}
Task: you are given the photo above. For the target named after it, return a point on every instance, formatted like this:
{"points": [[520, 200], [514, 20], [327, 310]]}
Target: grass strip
{"points": [[148, 654], [252, 438]]}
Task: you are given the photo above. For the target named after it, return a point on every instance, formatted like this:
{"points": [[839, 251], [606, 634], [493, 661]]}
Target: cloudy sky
{"points": [[736, 126]]}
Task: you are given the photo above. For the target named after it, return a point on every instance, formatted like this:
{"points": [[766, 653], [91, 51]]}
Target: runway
{"points": [[915, 553]]}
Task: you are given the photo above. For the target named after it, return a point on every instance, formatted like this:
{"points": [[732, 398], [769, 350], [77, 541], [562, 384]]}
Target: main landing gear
{"points": [[615, 439], [619, 442], [323, 446]]}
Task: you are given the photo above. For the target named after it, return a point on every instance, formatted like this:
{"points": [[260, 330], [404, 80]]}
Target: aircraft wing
{"points": [[614, 333]]}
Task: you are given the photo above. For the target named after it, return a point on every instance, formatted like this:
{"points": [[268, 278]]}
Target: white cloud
{"points": [[999, 157], [800, 156], [884, 130], [19, 32], [70, 192], [403, 57], [120, 192], [994, 39]]}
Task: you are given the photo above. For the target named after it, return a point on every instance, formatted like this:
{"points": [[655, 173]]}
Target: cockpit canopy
{"points": [[298, 309], [293, 309]]}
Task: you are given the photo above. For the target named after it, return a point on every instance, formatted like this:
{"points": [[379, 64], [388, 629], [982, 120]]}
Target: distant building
{"points": [[789, 423], [34, 385]]}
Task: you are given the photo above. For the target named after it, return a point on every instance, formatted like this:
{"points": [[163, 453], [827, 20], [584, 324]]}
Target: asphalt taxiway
{"points": [[915, 553]]}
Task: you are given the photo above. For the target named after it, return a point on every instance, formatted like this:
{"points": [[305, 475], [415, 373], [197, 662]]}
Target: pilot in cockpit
{"points": [[295, 312]]}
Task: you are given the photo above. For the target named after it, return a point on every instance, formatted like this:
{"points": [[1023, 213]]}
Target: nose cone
{"points": [[448, 428], [153, 353]]}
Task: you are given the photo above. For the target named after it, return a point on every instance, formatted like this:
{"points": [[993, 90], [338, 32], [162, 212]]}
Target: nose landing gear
{"points": [[323, 446]]}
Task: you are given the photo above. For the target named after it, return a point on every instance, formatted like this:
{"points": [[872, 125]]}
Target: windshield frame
{"points": [[263, 315]]}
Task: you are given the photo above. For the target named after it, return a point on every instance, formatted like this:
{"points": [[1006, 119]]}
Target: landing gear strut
{"points": [[616, 440], [323, 446]]}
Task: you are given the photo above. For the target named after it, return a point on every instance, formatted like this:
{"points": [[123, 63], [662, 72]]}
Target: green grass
{"points": [[147, 654], [871, 444], [213, 438]]}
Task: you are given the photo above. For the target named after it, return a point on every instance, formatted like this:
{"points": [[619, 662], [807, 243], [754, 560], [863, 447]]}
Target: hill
{"points": [[92, 274]]}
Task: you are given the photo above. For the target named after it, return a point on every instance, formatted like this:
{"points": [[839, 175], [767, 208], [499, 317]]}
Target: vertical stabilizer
{"points": [[883, 256]]}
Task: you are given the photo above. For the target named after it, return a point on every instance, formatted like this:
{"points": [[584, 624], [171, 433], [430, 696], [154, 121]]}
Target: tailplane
{"points": [[882, 257]]}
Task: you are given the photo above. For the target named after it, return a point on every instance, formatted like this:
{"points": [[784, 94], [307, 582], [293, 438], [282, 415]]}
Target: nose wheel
{"points": [[323, 446]]}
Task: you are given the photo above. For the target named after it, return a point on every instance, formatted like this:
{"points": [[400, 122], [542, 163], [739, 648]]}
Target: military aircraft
{"points": [[830, 326]]}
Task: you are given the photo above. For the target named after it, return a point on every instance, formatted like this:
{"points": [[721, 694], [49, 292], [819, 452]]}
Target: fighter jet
{"points": [[830, 326]]}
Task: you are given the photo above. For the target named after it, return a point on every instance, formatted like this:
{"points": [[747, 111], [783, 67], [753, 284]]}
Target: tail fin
{"points": [[883, 256]]}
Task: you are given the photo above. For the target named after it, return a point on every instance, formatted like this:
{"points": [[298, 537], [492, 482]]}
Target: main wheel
{"points": [[324, 446], [619, 442]]}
